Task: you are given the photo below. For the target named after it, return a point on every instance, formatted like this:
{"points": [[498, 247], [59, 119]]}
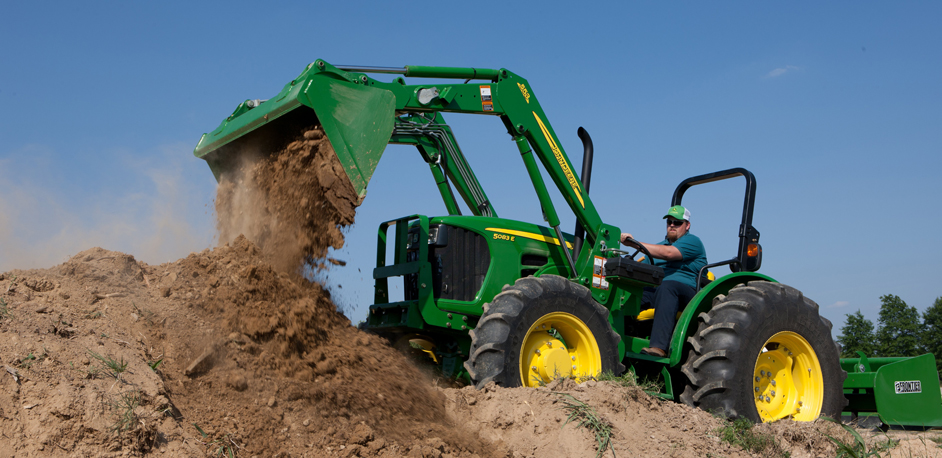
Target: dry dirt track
{"points": [[224, 351]]}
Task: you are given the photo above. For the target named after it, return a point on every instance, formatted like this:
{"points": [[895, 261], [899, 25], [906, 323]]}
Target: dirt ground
{"points": [[233, 352]]}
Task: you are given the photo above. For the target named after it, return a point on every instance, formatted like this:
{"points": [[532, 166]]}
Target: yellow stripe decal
{"points": [[528, 235], [576, 187]]}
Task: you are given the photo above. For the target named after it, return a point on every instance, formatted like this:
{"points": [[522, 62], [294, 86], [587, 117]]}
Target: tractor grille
{"points": [[459, 258]]}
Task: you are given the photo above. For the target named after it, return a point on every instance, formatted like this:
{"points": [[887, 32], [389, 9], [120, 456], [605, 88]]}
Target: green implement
{"points": [[491, 299], [902, 391]]}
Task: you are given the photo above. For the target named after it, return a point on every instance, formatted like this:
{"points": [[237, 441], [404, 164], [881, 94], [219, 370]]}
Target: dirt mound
{"points": [[535, 422], [216, 343], [107, 356]]}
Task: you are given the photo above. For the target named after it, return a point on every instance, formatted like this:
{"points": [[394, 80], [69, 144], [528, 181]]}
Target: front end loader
{"points": [[492, 299]]}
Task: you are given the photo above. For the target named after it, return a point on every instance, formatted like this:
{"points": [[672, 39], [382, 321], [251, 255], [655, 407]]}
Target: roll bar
{"points": [[748, 234]]}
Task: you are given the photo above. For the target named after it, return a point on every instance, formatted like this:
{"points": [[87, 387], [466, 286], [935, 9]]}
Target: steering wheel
{"points": [[641, 249]]}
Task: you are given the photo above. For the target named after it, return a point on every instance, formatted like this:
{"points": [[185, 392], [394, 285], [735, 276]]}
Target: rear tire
{"points": [[764, 353], [539, 329]]}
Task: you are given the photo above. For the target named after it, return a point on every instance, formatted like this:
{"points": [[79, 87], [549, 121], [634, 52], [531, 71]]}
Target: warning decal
{"points": [[598, 276], [486, 103]]}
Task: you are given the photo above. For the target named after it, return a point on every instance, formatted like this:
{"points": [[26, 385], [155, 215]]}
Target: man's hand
{"points": [[624, 240]]}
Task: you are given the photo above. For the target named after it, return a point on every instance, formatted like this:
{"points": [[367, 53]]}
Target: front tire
{"points": [[764, 353], [539, 329]]}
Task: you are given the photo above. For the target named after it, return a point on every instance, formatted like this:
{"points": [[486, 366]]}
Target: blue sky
{"points": [[834, 107]]}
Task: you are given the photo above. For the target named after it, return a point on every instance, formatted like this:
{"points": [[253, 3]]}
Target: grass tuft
{"points": [[223, 446], [587, 418], [540, 381], [858, 448], [739, 432], [154, 364], [629, 380], [145, 314], [113, 367], [124, 409], [31, 359], [4, 309]]}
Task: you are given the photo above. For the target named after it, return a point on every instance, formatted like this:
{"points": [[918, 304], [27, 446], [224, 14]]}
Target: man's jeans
{"points": [[667, 300]]}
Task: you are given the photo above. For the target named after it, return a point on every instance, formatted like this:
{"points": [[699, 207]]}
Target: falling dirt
{"points": [[231, 351], [292, 204]]}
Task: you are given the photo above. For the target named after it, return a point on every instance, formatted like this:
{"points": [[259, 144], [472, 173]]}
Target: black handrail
{"points": [[716, 264]]}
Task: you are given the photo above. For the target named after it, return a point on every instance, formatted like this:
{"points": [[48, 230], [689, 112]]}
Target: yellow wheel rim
{"points": [[558, 345], [787, 379]]}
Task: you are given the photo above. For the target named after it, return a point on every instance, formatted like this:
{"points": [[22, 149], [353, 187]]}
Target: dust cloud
{"points": [[154, 203]]}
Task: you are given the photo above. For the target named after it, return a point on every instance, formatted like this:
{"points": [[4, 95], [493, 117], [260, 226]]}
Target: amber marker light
{"points": [[752, 250]]}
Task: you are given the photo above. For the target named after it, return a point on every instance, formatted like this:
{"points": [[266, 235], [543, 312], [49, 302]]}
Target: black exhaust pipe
{"points": [[586, 178]]}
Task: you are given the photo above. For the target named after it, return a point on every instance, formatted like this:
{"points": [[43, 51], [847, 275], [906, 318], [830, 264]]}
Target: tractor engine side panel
{"points": [[460, 260], [459, 268]]}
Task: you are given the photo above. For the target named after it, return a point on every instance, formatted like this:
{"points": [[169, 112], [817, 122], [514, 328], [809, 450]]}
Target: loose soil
{"points": [[234, 351]]}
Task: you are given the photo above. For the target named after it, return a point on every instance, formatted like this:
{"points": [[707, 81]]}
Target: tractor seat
{"points": [[706, 279], [648, 314]]}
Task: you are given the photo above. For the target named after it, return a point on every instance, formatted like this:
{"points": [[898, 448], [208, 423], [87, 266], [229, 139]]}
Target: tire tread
{"points": [[492, 344], [719, 366]]}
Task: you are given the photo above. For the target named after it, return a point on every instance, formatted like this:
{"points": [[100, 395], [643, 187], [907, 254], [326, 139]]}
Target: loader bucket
{"points": [[901, 391], [357, 119]]}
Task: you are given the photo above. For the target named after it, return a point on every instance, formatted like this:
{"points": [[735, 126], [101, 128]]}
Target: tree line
{"points": [[900, 331]]}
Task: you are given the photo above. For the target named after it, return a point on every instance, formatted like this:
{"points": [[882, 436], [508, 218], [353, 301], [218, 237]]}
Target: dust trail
{"points": [[149, 203]]}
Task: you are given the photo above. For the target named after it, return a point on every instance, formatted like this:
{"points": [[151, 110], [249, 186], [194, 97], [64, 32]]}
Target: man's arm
{"points": [[665, 252]]}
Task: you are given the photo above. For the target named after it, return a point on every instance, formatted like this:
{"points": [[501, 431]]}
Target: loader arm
{"points": [[360, 115], [434, 139], [510, 97]]}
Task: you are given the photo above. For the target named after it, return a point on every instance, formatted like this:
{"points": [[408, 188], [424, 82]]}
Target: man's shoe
{"points": [[654, 351]]}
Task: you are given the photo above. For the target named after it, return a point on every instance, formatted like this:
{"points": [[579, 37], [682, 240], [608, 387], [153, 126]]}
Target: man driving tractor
{"points": [[681, 255]]}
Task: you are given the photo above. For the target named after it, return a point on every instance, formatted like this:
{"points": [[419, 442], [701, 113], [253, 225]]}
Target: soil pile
{"points": [[537, 422], [104, 353]]}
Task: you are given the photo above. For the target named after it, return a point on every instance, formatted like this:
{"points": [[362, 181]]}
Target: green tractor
{"points": [[492, 299]]}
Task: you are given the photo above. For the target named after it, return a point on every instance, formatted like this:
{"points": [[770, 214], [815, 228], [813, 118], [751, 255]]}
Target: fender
{"points": [[701, 303]]}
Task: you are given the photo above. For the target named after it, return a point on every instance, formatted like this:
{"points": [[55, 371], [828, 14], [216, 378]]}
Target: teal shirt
{"points": [[694, 258]]}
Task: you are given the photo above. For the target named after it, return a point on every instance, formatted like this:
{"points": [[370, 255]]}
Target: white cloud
{"points": [[839, 304], [781, 71]]}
